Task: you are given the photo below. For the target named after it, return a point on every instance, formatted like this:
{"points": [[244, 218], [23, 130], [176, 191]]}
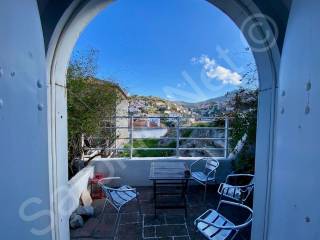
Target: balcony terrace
{"points": [[169, 224], [135, 171]]}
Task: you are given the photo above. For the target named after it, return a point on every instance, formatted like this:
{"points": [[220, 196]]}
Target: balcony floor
{"points": [[169, 224]]}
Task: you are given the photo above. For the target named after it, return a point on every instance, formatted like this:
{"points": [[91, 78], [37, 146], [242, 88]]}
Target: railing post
{"points": [[131, 136], [226, 136], [178, 137]]}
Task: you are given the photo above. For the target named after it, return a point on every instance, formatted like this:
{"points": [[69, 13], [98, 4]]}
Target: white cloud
{"points": [[170, 96], [225, 75], [215, 71]]}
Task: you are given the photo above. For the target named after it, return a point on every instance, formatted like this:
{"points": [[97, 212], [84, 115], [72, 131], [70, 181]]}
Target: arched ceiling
{"points": [[52, 10]]}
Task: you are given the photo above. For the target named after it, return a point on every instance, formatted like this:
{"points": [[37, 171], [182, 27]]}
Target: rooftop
{"points": [[168, 224]]}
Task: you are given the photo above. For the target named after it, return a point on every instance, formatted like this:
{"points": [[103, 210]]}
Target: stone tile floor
{"points": [[169, 224]]}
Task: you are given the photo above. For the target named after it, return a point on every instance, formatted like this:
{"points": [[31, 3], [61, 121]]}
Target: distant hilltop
{"points": [[151, 105], [212, 101]]}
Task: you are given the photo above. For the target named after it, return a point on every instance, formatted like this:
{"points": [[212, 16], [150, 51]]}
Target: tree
{"points": [[244, 117], [244, 121], [90, 102]]}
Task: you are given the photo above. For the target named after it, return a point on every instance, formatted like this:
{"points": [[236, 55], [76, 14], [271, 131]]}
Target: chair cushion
{"points": [[122, 197], [200, 176], [231, 191], [214, 233]]}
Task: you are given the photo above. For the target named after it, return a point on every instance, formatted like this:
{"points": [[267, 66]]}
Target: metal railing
{"points": [[178, 123]]}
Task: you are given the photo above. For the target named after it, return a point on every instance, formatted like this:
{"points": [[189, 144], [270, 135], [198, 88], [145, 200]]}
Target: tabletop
{"points": [[168, 171]]}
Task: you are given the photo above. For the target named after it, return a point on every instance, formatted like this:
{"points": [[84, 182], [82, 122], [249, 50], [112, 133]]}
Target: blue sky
{"points": [[169, 48]]}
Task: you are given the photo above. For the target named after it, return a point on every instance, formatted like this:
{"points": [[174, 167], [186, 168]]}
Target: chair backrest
{"points": [[212, 164], [107, 191], [239, 206], [249, 189]]}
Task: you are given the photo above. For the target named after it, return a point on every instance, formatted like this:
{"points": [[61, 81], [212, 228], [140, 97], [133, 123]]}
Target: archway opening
{"points": [[78, 22]]}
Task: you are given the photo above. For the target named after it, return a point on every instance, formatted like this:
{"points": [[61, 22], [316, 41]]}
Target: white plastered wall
{"points": [[295, 192]]}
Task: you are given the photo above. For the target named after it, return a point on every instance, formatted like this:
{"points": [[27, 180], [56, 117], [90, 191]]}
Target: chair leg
{"points": [[139, 208], [205, 193], [116, 227], [101, 214], [234, 235]]}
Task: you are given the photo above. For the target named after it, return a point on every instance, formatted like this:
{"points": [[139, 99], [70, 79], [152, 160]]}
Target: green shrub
{"points": [[244, 121]]}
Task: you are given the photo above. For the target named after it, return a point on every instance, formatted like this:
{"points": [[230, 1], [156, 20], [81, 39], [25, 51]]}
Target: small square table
{"points": [[169, 174]]}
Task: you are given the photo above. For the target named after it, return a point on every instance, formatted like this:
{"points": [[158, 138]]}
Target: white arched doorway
{"points": [[260, 37]]}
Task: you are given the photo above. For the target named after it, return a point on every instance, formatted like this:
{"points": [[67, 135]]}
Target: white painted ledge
{"points": [[135, 171]]}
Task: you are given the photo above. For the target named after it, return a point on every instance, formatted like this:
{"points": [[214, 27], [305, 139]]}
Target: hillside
{"points": [[212, 101], [150, 105]]}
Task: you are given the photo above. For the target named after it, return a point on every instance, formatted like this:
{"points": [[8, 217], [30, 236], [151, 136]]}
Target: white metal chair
{"points": [[118, 197], [231, 189], [215, 226], [208, 173]]}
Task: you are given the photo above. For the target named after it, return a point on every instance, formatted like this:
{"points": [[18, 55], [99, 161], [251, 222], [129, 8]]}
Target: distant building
{"points": [[151, 122], [154, 122], [140, 123]]}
